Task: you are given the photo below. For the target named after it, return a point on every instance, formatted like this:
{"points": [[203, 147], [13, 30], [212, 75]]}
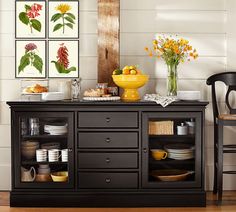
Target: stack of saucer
{"points": [[180, 151], [55, 129]]}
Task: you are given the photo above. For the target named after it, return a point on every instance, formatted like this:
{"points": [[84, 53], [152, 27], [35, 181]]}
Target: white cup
{"points": [[64, 155], [41, 155], [53, 155]]}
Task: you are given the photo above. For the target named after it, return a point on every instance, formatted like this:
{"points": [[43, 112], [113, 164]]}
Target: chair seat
{"points": [[227, 116]]}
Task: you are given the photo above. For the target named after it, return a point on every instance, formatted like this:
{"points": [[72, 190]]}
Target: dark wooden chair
{"points": [[221, 120]]}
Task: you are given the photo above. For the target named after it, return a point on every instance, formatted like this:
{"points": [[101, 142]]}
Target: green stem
{"points": [[63, 23], [172, 79], [31, 28]]}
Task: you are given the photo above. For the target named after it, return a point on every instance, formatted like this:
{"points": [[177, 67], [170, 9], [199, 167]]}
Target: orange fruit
{"points": [[139, 72], [126, 72]]}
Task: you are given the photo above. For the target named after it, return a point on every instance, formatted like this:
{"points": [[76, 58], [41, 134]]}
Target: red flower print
{"points": [[34, 11], [62, 56]]}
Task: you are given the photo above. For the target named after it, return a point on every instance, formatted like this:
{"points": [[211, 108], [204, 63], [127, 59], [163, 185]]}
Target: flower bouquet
{"points": [[173, 51]]}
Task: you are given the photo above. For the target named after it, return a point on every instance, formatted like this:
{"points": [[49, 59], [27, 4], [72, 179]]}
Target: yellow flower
{"points": [[63, 8], [154, 42]]}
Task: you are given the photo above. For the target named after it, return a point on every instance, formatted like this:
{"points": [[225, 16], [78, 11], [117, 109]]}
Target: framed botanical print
{"points": [[63, 59], [30, 19], [63, 19], [30, 59]]}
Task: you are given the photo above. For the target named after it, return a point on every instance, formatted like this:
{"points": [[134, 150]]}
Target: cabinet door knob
{"points": [[108, 160], [145, 150], [70, 149], [108, 140], [107, 180], [108, 119]]}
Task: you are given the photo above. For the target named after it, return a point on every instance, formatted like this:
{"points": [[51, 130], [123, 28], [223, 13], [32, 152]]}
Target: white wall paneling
{"points": [[173, 5], [173, 21]]}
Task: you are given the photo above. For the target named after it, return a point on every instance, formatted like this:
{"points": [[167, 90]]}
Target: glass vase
{"points": [[172, 80]]}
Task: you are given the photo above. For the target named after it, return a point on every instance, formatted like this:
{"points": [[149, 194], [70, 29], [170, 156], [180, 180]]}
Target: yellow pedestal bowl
{"points": [[130, 84]]}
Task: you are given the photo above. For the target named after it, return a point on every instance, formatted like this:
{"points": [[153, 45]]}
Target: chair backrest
{"points": [[229, 78]]}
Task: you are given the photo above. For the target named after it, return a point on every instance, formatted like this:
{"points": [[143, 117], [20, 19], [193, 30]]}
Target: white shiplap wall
{"points": [[203, 22]]}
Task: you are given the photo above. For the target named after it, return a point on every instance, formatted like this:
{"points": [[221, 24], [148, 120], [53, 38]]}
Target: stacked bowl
{"points": [[55, 129], [28, 149]]}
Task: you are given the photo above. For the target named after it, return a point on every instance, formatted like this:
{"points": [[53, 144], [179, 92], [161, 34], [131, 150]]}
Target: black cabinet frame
{"points": [[141, 193]]}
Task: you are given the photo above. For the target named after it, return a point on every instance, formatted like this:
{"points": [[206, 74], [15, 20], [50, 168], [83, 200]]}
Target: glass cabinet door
{"points": [[43, 150], [171, 150]]}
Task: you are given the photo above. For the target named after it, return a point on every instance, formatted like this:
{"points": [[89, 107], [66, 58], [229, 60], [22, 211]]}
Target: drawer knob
{"points": [[108, 160], [144, 150], [70, 150], [108, 120], [108, 180], [108, 140]]}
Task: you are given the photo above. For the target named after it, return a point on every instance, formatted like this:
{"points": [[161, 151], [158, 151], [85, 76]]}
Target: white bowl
{"points": [[189, 95]]}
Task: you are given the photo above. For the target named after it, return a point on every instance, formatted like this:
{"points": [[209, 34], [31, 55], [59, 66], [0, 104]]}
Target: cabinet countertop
{"points": [[114, 103]]}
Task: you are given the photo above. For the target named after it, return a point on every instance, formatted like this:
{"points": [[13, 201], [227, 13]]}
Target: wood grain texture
{"points": [[108, 39]]}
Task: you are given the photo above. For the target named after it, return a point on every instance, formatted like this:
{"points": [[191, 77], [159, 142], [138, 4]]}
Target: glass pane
{"points": [[44, 149], [171, 149]]}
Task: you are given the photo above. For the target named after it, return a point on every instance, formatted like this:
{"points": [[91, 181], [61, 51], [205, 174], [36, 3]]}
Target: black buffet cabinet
{"points": [[107, 154]]}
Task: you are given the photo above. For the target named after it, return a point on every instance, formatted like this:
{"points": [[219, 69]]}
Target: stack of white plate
{"points": [[180, 151], [52, 96], [55, 129], [189, 95]]}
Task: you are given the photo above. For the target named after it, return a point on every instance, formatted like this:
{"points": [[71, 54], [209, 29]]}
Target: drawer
{"points": [[104, 160], [108, 119], [108, 180], [108, 140]]}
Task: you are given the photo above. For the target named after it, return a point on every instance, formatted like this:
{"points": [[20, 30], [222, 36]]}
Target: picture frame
{"points": [[63, 19], [63, 59], [30, 60], [30, 19]]}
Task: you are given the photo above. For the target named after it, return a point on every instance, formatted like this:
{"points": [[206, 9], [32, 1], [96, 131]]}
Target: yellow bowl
{"points": [[130, 84], [59, 176]]}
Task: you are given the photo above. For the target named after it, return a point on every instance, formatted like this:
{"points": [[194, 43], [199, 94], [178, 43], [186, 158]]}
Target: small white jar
{"points": [[182, 129]]}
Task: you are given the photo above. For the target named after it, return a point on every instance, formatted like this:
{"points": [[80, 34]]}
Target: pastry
{"points": [[94, 92], [35, 89]]}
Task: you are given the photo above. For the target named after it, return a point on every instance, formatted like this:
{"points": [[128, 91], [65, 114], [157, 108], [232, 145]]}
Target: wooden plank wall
{"points": [[108, 38]]}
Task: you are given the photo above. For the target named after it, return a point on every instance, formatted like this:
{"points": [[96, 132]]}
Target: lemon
{"points": [[126, 67], [132, 67], [133, 72]]}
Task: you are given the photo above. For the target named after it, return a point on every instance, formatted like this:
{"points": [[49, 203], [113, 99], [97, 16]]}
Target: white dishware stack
{"points": [[53, 155], [55, 129], [64, 155], [180, 151], [41, 155]]}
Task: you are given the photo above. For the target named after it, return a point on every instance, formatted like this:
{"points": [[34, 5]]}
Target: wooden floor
{"points": [[228, 205]]}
